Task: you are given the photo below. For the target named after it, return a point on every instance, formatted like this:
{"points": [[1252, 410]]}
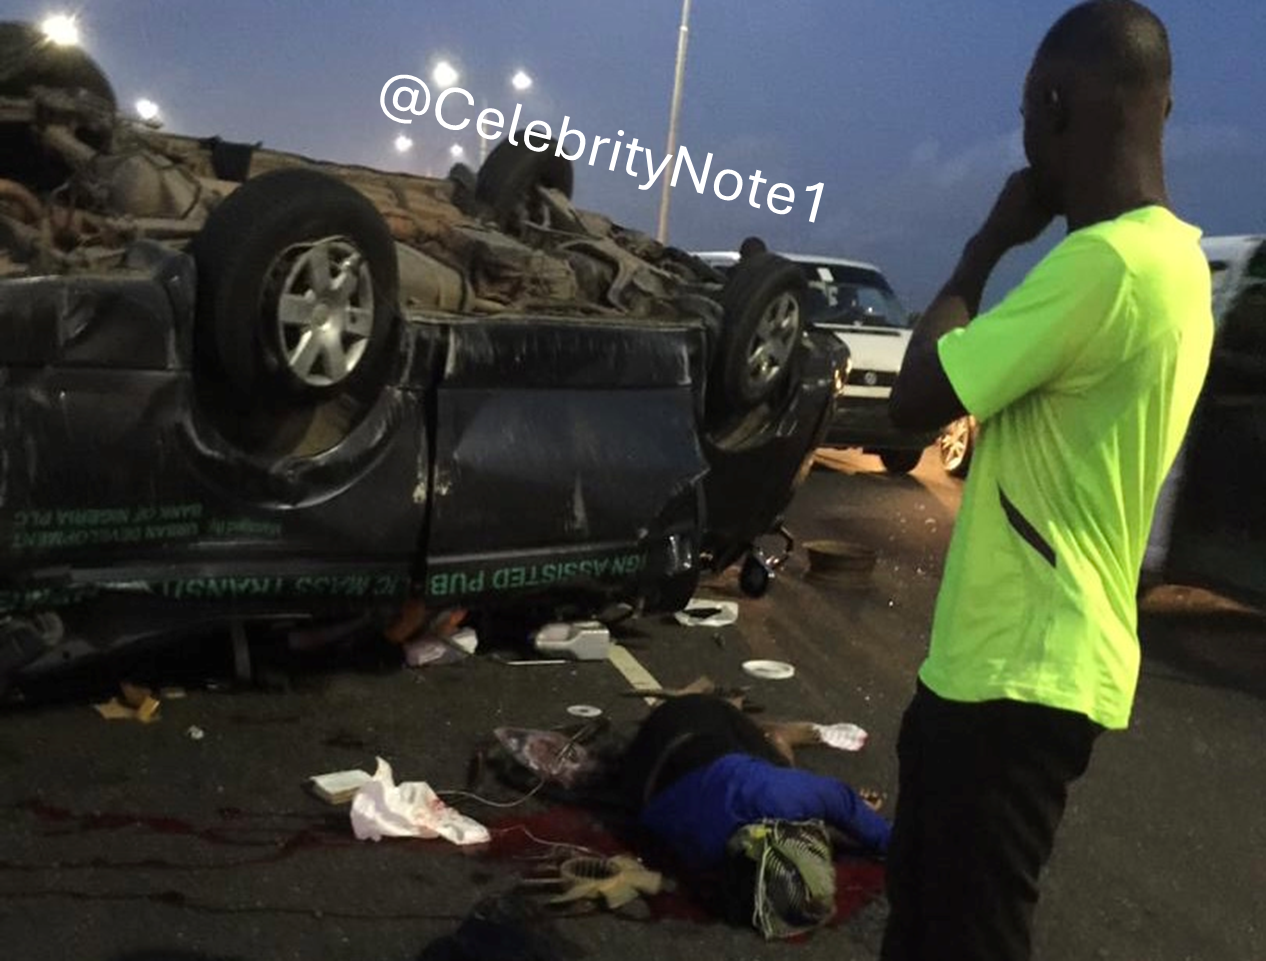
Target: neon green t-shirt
{"points": [[1083, 380]]}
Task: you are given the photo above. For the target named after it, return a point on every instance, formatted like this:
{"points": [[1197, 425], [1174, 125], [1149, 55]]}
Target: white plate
{"points": [[769, 670]]}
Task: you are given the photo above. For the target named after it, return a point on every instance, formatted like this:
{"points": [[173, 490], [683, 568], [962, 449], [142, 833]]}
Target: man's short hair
{"points": [[1121, 39], [751, 247]]}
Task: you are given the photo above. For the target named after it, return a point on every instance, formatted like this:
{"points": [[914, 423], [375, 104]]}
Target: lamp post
{"points": [[683, 36]]}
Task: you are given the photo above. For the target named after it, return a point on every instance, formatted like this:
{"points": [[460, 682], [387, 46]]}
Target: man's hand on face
{"points": [[1019, 214]]}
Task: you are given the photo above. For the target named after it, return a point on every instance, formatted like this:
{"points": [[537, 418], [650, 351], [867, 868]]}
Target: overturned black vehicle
{"points": [[241, 384]]}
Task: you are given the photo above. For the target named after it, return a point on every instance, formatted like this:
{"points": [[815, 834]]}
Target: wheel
{"points": [[297, 287], [754, 577], [508, 181], [29, 59], [900, 461], [954, 445], [763, 319]]}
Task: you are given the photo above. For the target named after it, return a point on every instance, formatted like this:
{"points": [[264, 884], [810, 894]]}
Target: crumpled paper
{"points": [[842, 736], [384, 809]]}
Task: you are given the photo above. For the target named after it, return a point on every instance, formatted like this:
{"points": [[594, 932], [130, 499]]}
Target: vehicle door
{"points": [[566, 455], [1219, 532]]}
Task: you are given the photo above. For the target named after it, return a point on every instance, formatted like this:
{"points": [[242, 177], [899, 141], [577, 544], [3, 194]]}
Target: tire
{"points": [[763, 304], [954, 446], [28, 59], [900, 461], [509, 178], [297, 288]]}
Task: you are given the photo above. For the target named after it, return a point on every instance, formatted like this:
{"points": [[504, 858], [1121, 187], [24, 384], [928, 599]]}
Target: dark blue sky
{"points": [[906, 111]]}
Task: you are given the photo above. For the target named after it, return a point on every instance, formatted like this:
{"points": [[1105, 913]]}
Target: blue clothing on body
{"points": [[698, 812]]}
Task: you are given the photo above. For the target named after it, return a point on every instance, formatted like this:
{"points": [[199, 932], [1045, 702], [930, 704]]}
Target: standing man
{"points": [[1083, 380]]}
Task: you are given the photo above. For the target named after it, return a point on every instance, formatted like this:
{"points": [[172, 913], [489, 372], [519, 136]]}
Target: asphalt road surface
{"points": [[127, 841]]}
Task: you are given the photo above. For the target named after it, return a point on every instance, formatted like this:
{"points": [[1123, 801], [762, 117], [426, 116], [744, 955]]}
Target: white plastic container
{"points": [[581, 640]]}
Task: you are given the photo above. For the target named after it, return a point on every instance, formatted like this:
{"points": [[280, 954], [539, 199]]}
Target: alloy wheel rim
{"points": [[325, 312]]}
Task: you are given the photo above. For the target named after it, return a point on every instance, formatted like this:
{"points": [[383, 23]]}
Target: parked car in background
{"points": [[855, 302], [1210, 525]]}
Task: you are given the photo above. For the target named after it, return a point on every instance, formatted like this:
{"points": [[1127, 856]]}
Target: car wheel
{"points": [[900, 461], [29, 59], [954, 445], [297, 287], [509, 180], [763, 319]]}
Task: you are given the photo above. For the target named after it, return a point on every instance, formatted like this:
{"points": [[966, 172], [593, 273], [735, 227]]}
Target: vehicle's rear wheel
{"points": [[297, 288], [954, 445], [764, 318], [900, 461], [30, 59], [509, 180]]}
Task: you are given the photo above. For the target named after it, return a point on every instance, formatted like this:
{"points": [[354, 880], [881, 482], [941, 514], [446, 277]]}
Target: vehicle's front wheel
{"points": [[510, 180], [954, 445], [297, 288], [763, 320], [900, 461]]}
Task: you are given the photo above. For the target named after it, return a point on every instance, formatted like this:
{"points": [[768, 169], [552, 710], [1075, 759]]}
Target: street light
{"points": [[404, 144], [147, 110], [457, 151], [683, 35], [61, 29], [521, 81], [445, 74]]}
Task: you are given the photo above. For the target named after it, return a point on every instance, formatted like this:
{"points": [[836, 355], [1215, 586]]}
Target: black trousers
{"points": [[981, 791]]}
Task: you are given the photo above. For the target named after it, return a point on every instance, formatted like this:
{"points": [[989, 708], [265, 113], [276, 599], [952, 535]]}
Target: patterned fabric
{"points": [[795, 876]]}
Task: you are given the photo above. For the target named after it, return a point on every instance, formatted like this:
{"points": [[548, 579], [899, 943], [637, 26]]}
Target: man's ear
{"points": [[1169, 106], [1056, 107]]}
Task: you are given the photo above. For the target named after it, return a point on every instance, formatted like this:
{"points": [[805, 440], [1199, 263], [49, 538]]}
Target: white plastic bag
{"points": [[384, 809]]}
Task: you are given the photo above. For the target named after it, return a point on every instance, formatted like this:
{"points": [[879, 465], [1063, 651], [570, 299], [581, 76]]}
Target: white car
{"points": [[1210, 524], [854, 301]]}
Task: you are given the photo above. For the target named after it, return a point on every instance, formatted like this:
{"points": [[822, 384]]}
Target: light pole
{"points": [[683, 36]]}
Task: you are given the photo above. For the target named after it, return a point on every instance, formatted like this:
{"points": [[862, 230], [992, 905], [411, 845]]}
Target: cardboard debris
{"points": [[339, 787], [138, 704]]}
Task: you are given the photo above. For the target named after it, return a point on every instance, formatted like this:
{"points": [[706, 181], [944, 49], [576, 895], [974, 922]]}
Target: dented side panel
{"points": [[565, 454]]}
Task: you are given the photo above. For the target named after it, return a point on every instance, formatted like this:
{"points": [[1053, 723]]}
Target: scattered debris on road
{"points": [[617, 881], [581, 640], [382, 808], [138, 704], [769, 670], [339, 787], [701, 612]]}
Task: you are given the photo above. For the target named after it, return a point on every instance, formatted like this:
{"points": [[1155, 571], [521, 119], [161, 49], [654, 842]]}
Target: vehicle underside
{"points": [[242, 384]]}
